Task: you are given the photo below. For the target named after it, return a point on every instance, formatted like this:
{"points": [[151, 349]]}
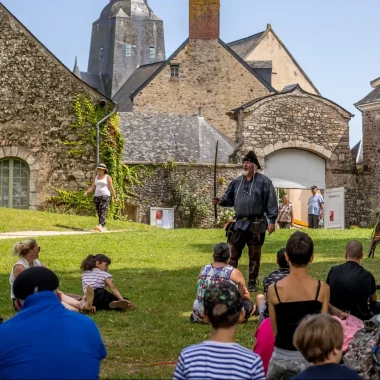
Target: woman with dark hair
{"points": [[102, 184], [95, 276], [289, 301], [220, 271]]}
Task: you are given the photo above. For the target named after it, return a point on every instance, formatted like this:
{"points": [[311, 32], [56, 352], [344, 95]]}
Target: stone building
{"points": [[203, 76], [36, 109], [369, 148], [127, 34], [207, 91], [266, 48]]}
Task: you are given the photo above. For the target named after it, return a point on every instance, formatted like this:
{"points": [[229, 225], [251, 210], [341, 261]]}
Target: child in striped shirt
{"points": [[95, 275], [220, 357]]}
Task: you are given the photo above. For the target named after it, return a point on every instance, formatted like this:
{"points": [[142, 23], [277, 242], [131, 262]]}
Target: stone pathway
{"points": [[27, 234]]}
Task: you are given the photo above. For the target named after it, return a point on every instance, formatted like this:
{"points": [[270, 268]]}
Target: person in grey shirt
{"points": [[254, 200], [316, 208]]}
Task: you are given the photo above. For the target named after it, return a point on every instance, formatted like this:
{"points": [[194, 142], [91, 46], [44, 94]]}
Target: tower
{"points": [[126, 35]]}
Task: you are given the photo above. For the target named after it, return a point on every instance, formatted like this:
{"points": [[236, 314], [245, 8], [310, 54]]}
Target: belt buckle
{"points": [[245, 219]]}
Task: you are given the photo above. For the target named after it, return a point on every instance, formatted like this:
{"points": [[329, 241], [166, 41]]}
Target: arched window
{"points": [[14, 183]]}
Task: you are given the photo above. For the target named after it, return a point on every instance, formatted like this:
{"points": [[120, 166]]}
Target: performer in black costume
{"points": [[255, 202]]}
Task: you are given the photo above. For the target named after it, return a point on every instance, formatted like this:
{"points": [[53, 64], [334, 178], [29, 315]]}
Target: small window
{"points": [[152, 52], [174, 71], [128, 50], [101, 53]]}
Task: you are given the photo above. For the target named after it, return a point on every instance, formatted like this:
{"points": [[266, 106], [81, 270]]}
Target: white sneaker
{"points": [[98, 228], [104, 229]]}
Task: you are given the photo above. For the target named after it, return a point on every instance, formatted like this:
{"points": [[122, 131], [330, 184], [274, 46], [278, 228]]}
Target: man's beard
{"points": [[245, 172]]}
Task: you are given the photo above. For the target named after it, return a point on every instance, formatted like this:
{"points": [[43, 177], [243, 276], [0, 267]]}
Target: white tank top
{"points": [[25, 264], [101, 188]]}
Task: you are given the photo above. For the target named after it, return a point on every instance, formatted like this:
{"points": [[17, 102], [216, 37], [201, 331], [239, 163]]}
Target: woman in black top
{"points": [[289, 301]]}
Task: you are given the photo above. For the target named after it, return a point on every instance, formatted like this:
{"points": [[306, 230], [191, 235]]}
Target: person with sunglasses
{"points": [[28, 252]]}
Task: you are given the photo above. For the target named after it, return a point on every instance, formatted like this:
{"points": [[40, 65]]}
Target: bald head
{"points": [[354, 250]]}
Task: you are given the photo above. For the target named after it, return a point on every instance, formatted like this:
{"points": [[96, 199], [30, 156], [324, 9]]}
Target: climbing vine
{"points": [[124, 178]]}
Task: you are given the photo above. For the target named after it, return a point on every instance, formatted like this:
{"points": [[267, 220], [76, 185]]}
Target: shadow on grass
{"points": [[71, 228]]}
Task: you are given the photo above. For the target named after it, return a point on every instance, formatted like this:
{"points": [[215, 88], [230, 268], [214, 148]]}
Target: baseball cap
{"points": [[222, 293], [34, 280]]}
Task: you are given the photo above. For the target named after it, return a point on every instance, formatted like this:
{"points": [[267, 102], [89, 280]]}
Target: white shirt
{"points": [[101, 187], [25, 264]]}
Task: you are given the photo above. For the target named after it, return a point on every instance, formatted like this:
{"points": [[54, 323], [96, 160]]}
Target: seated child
{"points": [[220, 357], [320, 340], [277, 275], [95, 275]]}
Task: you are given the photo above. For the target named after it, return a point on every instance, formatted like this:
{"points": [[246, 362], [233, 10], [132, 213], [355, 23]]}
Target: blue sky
{"points": [[336, 42]]}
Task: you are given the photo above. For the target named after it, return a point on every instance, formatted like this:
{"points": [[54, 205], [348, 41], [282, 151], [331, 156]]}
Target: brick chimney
{"points": [[204, 19]]}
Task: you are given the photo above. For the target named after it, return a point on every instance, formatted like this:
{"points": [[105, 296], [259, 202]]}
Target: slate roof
{"points": [[244, 46], [142, 73], [155, 137], [93, 80], [356, 152], [372, 97]]}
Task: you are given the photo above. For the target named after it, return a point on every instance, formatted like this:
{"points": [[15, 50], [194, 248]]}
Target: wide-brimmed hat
{"points": [[102, 167], [251, 157], [34, 280]]}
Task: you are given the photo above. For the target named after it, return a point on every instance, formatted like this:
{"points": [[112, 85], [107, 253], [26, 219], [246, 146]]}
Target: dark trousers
{"points": [[313, 221], [103, 298], [284, 225], [254, 243], [101, 206]]}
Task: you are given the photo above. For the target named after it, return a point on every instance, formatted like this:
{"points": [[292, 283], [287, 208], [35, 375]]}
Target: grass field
{"points": [[158, 271]]}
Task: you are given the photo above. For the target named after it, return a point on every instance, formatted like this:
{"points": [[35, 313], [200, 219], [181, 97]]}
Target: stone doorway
{"points": [[132, 212]]}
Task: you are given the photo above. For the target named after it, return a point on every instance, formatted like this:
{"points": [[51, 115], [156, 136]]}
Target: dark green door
{"points": [[14, 184]]}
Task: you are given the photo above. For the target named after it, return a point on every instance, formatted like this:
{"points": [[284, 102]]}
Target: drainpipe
{"points": [[97, 131]]}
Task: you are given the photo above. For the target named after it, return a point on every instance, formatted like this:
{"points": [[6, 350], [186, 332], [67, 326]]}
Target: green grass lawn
{"points": [[157, 270], [21, 220]]}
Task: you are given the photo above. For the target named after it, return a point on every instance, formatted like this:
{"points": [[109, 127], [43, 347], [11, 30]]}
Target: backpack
{"points": [[361, 353]]}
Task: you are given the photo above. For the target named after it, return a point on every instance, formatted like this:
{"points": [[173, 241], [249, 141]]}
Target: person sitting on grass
{"points": [[277, 275], [220, 271], [95, 276], [220, 357], [28, 252], [353, 288], [45, 340], [320, 340], [289, 301]]}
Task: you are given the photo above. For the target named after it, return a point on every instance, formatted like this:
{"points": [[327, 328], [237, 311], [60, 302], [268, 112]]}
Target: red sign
{"points": [[331, 216]]}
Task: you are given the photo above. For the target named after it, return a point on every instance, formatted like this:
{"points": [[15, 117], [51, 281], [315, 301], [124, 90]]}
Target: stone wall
{"points": [[302, 121], [210, 79], [156, 189], [36, 109], [371, 155]]}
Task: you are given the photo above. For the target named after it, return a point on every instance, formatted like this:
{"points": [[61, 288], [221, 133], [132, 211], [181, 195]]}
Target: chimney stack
{"points": [[204, 19]]}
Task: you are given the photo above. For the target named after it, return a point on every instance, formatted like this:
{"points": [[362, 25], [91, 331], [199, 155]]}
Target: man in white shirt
{"points": [[316, 208]]}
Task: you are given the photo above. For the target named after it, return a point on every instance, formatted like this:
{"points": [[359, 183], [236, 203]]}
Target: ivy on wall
{"points": [[111, 149]]}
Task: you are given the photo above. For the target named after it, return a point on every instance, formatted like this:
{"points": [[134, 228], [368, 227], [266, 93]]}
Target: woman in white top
{"points": [[28, 252], [102, 184]]}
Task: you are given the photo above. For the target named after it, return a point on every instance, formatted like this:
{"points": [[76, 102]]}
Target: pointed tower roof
{"points": [[76, 70]]}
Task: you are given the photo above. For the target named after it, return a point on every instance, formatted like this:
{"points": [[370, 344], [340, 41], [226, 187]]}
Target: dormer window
{"points": [[174, 71], [128, 50], [101, 52], [152, 52]]}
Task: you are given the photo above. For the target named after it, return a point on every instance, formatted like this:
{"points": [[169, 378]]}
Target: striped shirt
{"points": [[215, 360], [94, 278]]}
